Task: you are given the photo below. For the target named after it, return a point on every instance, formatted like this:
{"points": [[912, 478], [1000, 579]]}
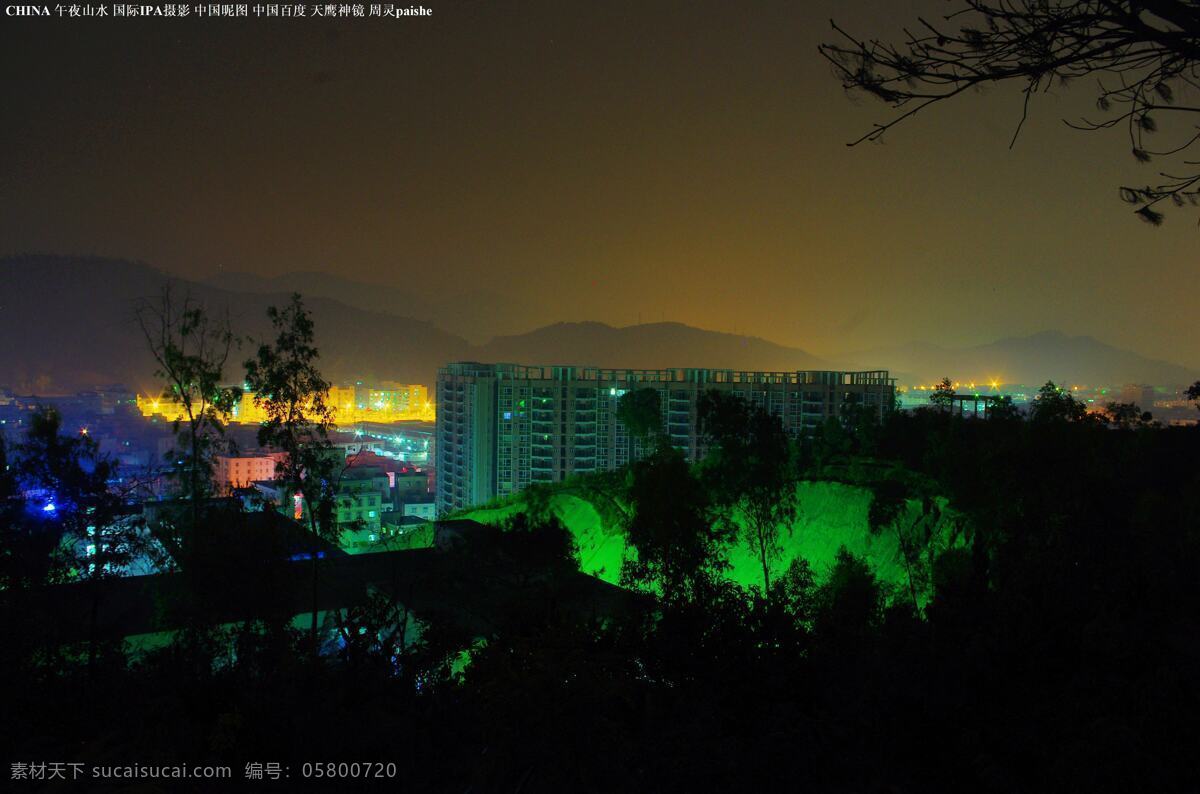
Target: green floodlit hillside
{"points": [[832, 515]]}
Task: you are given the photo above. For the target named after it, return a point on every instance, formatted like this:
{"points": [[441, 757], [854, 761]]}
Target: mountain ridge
{"points": [[1030, 359], [94, 338], [78, 314], [474, 314], [598, 344]]}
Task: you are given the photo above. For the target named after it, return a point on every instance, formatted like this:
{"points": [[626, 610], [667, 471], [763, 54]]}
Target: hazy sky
{"points": [[610, 161]]}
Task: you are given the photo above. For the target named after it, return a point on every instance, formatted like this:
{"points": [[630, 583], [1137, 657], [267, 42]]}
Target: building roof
{"points": [[370, 458], [574, 372], [363, 473], [430, 582]]}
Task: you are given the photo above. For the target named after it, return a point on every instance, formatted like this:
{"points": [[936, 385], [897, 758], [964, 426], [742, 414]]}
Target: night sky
{"points": [[611, 161]]}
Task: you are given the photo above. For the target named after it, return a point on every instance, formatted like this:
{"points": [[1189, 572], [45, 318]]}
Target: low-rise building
{"points": [[361, 496], [240, 471], [358, 503], [425, 509]]}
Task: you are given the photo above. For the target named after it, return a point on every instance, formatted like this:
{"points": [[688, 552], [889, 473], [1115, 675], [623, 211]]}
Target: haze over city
{"points": [[621, 162]]}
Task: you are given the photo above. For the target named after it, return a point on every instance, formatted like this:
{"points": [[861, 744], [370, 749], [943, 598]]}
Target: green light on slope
{"points": [[832, 515]]}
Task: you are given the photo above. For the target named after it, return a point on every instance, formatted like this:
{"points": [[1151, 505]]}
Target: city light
{"points": [[390, 403]]}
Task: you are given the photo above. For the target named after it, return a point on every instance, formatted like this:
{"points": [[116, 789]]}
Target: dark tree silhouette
{"points": [[1193, 393], [1003, 409], [80, 511], [851, 601], [1127, 416], [751, 468], [543, 543], [888, 500], [1054, 404], [24, 552], [942, 396], [190, 349], [672, 527], [1143, 55], [640, 410], [289, 387]]}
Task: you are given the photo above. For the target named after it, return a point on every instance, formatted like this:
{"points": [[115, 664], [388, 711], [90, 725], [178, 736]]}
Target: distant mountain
{"points": [[1032, 360], [68, 324], [648, 346], [475, 314]]}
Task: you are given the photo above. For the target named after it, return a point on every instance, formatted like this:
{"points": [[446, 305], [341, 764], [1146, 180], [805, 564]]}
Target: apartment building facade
{"points": [[241, 471], [503, 427]]}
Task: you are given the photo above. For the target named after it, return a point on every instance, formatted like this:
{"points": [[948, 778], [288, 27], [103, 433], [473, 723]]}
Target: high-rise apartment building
{"points": [[501, 427]]}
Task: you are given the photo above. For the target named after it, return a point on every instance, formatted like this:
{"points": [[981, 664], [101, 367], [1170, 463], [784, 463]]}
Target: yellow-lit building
{"points": [[403, 398], [387, 402], [351, 404]]}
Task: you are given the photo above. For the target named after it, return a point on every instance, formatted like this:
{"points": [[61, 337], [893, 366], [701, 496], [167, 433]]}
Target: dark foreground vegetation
{"points": [[1057, 649]]}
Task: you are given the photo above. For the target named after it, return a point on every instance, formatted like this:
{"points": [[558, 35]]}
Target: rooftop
{"points": [[561, 372]]}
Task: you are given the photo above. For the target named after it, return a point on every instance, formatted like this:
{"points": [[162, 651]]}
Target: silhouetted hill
{"points": [[68, 324], [481, 315], [475, 314], [1032, 360], [71, 326], [647, 346]]}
